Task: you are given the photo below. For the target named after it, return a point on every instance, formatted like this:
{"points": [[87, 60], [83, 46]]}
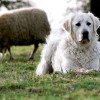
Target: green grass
{"points": [[18, 81]]}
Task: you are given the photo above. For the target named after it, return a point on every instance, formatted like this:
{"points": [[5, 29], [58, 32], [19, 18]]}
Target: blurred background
{"points": [[55, 9]]}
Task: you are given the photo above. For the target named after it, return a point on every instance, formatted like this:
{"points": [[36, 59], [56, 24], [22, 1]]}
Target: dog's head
{"points": [[82, 27]]}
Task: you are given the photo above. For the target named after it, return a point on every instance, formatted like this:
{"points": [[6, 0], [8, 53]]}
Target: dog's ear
{"points": [[96, 22], [68, 23]]}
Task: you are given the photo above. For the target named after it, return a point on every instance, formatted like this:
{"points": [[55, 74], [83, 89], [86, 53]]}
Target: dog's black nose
{"points": [[85, 35]]}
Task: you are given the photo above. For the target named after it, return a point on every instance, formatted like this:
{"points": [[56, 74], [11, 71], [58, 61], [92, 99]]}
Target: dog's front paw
{"points": [[41, 69]]}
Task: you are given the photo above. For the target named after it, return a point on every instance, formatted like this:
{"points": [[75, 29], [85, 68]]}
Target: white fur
{"points": [[65, 51]]}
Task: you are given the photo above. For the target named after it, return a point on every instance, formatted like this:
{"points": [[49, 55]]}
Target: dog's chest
{"points": [[85, 56]]}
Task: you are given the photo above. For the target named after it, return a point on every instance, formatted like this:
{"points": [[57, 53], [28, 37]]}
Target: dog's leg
{"points": [[45, 64], [60, 62], [42, 68], [61, 66], [56, 62], [67, 64]]}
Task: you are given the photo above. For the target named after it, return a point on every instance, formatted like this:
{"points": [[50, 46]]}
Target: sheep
{"points": [[24, 26]]}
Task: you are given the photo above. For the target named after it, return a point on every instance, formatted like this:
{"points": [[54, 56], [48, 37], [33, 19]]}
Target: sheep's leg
{"points": [[2, 55], [2, 52], [9, 50], [35, 49]]}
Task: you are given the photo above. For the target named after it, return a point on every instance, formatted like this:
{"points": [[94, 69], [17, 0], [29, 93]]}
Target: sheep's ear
{"points": [[68, 23], [96, 22]]}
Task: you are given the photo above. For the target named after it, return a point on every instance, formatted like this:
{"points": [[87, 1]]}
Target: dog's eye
{"points": [[78, 24], [88, 23]]}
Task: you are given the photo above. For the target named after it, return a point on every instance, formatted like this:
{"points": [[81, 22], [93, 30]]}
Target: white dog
{"points": [[75, 46]]}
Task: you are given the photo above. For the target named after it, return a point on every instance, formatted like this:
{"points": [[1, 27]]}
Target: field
{"points": [[18, 81]]}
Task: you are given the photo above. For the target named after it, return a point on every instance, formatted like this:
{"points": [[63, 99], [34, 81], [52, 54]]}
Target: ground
{"points": [[18, 81]]}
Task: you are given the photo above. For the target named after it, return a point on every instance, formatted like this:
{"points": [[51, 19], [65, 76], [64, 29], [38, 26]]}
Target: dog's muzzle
{"points": [[85, 37]]}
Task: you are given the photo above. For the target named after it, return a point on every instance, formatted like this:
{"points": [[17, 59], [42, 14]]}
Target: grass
{"points": [[18, 81]]}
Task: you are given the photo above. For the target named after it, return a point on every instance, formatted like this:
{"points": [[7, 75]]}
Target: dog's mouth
{"points": [[84, 41]]}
